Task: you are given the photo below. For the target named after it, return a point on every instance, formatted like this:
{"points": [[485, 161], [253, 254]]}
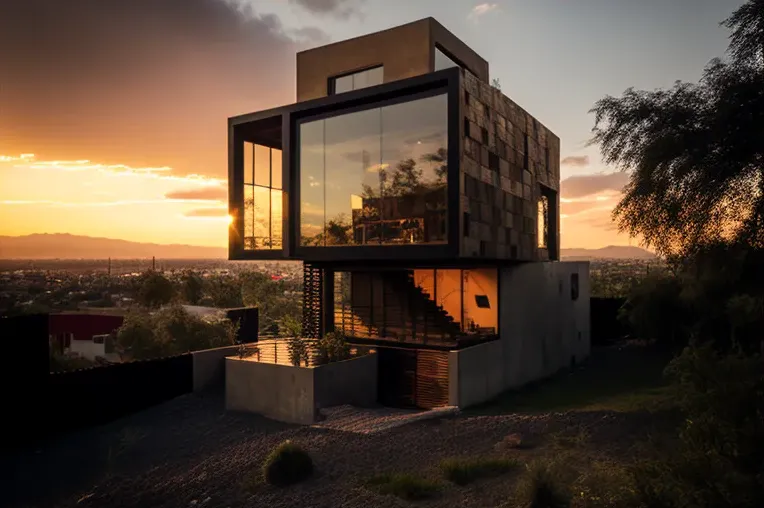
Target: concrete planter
{"points": [[295, 394]]}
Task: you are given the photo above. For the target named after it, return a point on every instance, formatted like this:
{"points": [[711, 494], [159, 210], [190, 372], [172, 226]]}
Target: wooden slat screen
{"points": [[432, 379]]}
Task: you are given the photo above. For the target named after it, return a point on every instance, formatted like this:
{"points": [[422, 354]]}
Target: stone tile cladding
{"points": [[499, 181]]}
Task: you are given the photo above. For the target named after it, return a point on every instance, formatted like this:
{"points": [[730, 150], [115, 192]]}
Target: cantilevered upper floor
{"points": [[397, 149]]}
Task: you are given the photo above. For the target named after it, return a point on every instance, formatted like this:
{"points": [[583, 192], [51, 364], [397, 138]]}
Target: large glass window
{"points": [[376, 177], [262, 197], [357, 80]]}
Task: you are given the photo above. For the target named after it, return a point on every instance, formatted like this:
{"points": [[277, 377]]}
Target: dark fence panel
{"points": [[98, 395], [248, 319], [605, 326], [24, 342]]}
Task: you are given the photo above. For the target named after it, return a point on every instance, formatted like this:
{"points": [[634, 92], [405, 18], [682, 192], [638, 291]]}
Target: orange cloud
{"points": [[575, 160]]}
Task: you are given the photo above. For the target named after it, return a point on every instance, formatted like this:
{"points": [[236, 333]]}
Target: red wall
{"points": [[83, 326]]}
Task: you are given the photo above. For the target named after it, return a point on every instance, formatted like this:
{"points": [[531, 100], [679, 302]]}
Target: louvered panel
{"points": [[432, 379]]}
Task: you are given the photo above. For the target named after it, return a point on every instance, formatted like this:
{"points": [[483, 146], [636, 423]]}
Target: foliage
{"points": [[274, 299], [465, 471], [605, 484], [403, 485], [496, 83], [59, 362], [155, 290], [169, 331], [291, 329], [332, 347], [225, 292], [543, 486], [696, 151], [286, 465], [720, 458], [654, 310], [192, 288]]}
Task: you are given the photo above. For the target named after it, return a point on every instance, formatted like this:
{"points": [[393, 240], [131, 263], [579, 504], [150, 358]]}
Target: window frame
{"points": [[332, 81], [270, 188]]}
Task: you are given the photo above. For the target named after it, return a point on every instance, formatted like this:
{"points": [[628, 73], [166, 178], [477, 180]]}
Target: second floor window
{"points": [[357, 80]]}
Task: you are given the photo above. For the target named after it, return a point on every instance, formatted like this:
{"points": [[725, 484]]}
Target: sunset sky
{"points": [[113, 112]]}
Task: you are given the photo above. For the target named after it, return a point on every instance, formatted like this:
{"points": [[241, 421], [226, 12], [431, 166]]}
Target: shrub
{"points": [[720, 457], [286, 465], [403, 485], [332, 347], [464, 471], [291, 329], [543, 486]]}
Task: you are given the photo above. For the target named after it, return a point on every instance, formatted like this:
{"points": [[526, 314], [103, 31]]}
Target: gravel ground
{"points": [[190, 453]]}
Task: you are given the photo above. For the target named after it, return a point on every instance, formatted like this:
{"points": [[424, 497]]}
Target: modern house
{"points": [[424, 204]]}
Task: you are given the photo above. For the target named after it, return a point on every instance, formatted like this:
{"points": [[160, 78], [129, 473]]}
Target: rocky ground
{"points": [[190, 453]]}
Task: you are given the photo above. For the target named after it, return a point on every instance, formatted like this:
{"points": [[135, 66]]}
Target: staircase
{"points": [[401, 312]]}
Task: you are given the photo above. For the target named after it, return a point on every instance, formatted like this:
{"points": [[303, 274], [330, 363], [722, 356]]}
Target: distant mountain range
{"points": [[66, 246]]}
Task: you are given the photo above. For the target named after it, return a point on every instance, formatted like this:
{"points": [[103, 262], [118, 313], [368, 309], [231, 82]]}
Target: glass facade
{"points": [[375, 177], [358, 80], [262, 197]]}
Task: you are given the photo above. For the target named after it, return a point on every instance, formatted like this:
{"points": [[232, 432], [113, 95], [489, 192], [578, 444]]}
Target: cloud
{"points": [[29, 161], [338, 8], [211, 193], [588, 185], [207, 213], [482, 9], [310, 34], [148, 83], [576, 160]]}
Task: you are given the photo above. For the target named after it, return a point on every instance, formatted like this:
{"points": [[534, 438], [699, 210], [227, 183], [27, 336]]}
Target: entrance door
{"points": [[396, 384]]}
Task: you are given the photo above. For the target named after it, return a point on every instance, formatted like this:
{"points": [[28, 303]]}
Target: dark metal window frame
{"points": [[270, 188], [332, 81], [444, 81]]}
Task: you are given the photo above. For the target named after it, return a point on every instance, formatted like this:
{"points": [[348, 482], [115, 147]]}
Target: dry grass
{"points": [[463, 471]]}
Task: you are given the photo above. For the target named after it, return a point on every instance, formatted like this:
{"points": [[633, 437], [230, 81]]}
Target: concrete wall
{"points": [[294, 394], [280, 392], [350, 382], [405, 51], [476, 374], [209, 366], [542, 330]]}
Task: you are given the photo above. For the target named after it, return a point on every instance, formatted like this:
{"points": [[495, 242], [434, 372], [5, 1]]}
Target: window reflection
{"points": [[376, 177], [543, 222], [358, 80], [262, 197]]}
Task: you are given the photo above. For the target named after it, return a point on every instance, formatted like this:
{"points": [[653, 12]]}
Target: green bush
{"points": [[719, 461], [465, 471], [403, 485], [332, 347], [286, 465]]}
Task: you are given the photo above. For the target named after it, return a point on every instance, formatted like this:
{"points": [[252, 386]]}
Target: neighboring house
{"points": [[424, 204], [84, 334]]}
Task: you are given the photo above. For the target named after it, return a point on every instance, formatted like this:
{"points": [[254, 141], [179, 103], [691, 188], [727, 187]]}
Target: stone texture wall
{"points": [[502, 176]]}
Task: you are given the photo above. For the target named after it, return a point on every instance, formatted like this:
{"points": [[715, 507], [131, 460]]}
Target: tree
{"points": [[155, 290], [496, 84], [440, 159], [170, 331], [695, 151], [192, 288]]}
